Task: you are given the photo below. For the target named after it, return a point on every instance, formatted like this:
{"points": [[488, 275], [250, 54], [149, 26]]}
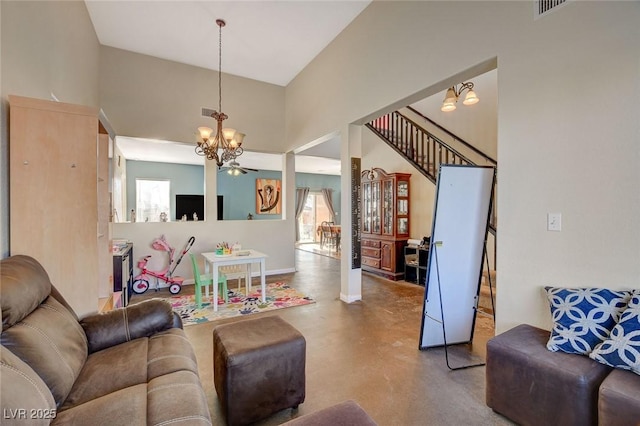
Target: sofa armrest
{"points": [[121, 325]]}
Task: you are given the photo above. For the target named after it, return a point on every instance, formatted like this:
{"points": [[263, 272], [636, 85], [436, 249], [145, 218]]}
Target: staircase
{"points": [[425, 151]]}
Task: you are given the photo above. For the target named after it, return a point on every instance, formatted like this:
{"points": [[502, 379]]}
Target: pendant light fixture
{"points": [[225, 144]]}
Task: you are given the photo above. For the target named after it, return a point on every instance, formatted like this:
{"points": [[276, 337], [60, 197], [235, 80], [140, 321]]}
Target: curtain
{"points": [[301, 199], [327, 193]]}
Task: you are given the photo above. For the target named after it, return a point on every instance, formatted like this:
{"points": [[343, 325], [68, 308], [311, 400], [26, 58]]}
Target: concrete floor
{"points": [[368, 351]]}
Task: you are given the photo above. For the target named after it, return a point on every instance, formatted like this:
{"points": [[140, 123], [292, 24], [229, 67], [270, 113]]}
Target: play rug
{"points": [[279, 296]]}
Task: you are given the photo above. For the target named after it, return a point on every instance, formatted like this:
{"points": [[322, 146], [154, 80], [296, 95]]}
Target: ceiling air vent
{"points": [[207, 112], [545, 7]]}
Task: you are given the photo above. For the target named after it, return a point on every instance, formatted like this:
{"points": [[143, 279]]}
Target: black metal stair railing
{"points": [[457, 139], [422, 149]]}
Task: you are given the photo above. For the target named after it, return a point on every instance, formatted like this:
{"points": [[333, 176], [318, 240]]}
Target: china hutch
{"points": [[385, 222]]}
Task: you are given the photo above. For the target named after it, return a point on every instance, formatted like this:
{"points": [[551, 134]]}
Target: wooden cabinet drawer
{"points": [[371, 252], [371, 243], [374, 263]]}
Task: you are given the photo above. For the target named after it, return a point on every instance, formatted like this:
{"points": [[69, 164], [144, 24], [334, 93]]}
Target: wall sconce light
{"points": [[453, 93]]}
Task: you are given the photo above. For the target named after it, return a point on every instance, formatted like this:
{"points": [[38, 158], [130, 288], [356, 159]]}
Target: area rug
{"points": [[279, 296]]}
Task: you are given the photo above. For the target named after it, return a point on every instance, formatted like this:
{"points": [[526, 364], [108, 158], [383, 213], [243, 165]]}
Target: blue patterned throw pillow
{"points": [[622, 348], [583, 317]]}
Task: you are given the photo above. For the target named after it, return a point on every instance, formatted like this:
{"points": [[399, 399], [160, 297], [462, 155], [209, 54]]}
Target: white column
{"points": [[210, 190], [289, 187], [350, 279]]}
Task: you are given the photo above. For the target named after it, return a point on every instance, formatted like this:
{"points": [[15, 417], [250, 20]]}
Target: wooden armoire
{"points": [[59, 197], [385, 222]]}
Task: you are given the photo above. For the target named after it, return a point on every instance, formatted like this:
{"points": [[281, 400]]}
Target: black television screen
{"points": [[188, 205]]}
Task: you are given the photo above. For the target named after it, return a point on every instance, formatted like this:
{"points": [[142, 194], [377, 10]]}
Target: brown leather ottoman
{"points": [[533, 386], [258, 368], [347, 413], [619, 402]]}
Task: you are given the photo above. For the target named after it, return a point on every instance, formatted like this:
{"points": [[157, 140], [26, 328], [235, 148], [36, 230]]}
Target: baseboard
{"points": [[275, 272], [254, 273], [351, 298]]}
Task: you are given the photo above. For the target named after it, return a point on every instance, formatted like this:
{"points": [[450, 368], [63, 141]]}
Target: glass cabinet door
{"points": [[366, 207], [403, 207], [375, 207], [403, 188], [387, 207], [402, 227]]}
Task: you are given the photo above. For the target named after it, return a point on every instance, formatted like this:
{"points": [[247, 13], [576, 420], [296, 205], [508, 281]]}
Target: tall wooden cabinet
{"points": [[58, 171], [385, 222]]}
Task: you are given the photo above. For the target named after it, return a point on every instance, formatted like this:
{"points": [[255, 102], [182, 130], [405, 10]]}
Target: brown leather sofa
{"points": [[531, 385], [130, 366]]}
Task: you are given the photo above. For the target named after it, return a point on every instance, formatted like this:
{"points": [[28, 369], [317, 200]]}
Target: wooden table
{"points": [[335, 229], [216, 261]]}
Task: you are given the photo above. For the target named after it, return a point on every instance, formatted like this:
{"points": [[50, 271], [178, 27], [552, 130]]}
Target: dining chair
{"points": [[327, 237], [205, 280]]}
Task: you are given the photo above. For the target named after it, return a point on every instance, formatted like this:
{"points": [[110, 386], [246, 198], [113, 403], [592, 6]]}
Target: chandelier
{"points": [[225, 144], [453, 93]]}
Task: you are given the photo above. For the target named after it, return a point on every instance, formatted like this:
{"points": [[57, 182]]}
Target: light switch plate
{"points": [[554, 221]]}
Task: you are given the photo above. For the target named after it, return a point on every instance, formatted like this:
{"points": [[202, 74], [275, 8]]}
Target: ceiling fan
{"points": [[236, 169]]}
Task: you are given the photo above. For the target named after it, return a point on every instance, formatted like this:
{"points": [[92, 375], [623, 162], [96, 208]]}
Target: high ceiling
{"points": [[269, 41]]}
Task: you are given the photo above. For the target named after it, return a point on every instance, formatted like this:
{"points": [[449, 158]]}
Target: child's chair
{"points": [[206, 280], [238, 272]]}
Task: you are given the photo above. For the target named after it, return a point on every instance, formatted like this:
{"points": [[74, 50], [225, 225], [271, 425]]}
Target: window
{"points": [[314, 213], [152, 199]]}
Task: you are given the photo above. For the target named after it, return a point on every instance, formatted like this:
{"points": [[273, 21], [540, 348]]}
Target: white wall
{"points": [[47, 47], [177, 234], [154, 98], [567, 125]]}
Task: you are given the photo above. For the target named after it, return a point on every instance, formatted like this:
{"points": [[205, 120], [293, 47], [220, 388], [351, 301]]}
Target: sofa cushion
{"points": [[177, 398], [132, 363], [619, 399], [533, 386], [24, 284], [622, 348], [170, 351], [24, 396], [583, 317], [171, 399], [110, 370], [127, 406], [52, 342]]}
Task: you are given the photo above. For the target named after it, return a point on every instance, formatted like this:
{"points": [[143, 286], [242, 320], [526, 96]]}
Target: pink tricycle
{"points": [[141, 281]]}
